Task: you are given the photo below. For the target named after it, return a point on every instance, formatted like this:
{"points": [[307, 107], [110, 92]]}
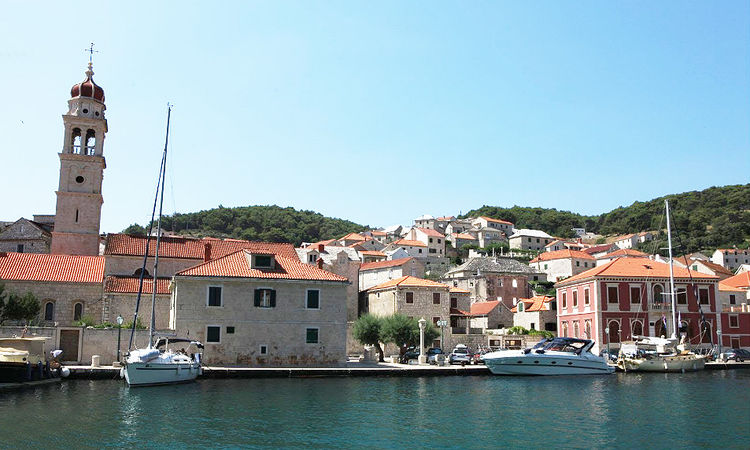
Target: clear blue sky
{"points": [[379, 112]]}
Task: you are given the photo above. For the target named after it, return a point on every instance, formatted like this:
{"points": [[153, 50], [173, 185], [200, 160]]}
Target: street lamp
{"points": [[718, 334], [422, 357], [119, 332], [442, 324], [606, 331]]}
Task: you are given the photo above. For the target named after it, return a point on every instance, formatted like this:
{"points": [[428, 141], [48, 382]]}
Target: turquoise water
{"points": [[706, 409]]}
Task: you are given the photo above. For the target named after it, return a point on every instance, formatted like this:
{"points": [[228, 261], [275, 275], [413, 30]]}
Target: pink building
{"points": [[629, 296]]}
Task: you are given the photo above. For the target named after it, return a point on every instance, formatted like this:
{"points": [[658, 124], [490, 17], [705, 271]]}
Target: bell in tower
{"points": [[82, 164]]}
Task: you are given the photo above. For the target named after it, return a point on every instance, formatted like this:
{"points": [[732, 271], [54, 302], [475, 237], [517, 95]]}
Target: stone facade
{"points": [[247, 330], [25, 236], [63, 297], [370, 277]]}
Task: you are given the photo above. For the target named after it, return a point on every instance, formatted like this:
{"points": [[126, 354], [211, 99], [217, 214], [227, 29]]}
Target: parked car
{"points": [[413, 353], [736, 354], [478, 356], [460, 355], [432, 355]]}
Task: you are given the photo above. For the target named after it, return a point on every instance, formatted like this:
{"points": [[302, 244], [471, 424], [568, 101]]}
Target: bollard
{"points": [[94, 360]]}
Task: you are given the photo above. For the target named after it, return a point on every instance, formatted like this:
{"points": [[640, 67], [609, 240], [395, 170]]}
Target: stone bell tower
{"points": [[79, 195]]}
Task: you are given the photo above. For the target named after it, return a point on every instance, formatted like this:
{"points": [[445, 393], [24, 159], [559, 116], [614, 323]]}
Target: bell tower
{"points": [[82, 164]]}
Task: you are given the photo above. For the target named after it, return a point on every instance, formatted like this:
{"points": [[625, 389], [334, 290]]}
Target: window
{"points": [[681, 296], [565, 329], [440, 241], [262, 262], [587, 329], [430, 240], [230, 330], [410, 297], [532, 326], [564, 300], [311, 336], [313, 299], [213, 334], [545, 267], [214, 296], [658, 291], [732, 299], [575, 301], [19, 248], [703, 296], [263, 349], [436, 298], [435, 320], [312, 257], [515, 283], [612, 294], [578, 263], [586, 298], [77, 311], [49, 311], [265, 298], [420, 251], [454, 302], [575, 328], [636, 328], [635, 294], [734, 321]]}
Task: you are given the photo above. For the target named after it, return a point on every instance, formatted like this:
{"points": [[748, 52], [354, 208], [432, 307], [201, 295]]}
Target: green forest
{"points": [[702, 220]]}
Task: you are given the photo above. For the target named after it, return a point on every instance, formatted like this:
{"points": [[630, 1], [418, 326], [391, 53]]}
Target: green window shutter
{"points": [[273, 299], [257, 297]]}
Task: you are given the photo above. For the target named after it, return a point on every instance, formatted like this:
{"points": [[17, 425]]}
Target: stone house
{"points": [[433, 240], [490, 315], [526, 239], [731, 258], [458, 240], [26, 236], [621, 253], [536, 313], [703, 266], [414, 248], [562, 263], [121, 295], [626, 241], [262, 309], [487, 235], [458, 226], [490, 279], [374, 273], [497, 224]]}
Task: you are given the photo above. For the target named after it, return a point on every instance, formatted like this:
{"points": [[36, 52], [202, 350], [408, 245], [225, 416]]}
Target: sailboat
{"points": [[157, 364], [661, 354]]}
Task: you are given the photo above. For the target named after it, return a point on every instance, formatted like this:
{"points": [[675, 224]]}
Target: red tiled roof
{"points": [[741, 280], [383, 264], [637, 268], [223, 247], [685, 260], [725, 287], [372, 253], [237, 265], [409, 243], [445, 218], [483, 308], [458, 312], [430, 232], [597, 249], [533, 304], [129, 285], [58, 268], [378, 233], [409, 281], [561, 254], [455, 290], [626, 252], [464, 236], [490, 219], [169, 247], [353, 237]]}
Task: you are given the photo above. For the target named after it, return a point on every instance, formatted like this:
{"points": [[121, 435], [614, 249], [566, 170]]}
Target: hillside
{"points": [[257, 223], [714, 217]]}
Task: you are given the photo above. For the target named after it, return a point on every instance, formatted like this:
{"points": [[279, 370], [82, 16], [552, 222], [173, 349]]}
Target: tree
{"points": [[368, 330], [23, 308], [404, 331], [135, 230]]}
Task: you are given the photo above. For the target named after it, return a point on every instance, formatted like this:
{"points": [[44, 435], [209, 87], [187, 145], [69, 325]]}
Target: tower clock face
{"points": [[79, 179]]}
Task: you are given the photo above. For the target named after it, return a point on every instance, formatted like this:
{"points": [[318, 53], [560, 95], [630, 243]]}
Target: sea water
{"points": [[704, 409]]}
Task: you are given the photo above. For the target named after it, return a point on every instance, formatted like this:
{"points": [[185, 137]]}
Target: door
{"points": [[69, 344]]}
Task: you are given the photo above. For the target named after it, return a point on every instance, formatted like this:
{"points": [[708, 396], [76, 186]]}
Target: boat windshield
{"points": [[565, 345]]}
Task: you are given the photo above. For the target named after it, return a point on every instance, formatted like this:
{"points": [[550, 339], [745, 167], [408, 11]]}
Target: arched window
{"points": [[77, 311], [706, 336], [137, 272], [90, 141], [49, 311], [636, 328], [614, 331], [575, 329], [658, 290], [587, 329], [565, 329], [75, 141]]}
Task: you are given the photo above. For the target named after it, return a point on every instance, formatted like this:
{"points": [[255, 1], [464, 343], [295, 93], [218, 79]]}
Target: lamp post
{"points": [[606, 331], [442, 324], [718, 334], [422, 357], [119, 332]]}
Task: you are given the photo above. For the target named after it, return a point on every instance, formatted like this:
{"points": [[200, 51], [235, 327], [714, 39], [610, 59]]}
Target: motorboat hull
{"points": [[663, 363], [520, 363], [156, 373]]}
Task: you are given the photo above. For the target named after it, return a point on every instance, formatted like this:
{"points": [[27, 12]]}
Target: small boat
{"points": [[557, 356], [25, 359], [155, 365], [652, 354]]}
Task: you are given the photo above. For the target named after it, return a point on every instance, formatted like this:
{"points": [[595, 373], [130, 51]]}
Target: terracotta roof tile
{"points": [[636, 268], [58, 268], [729, 288], [378, 233], [237, 265], [354, 237], [129, 285], [169, 247], [483, 308], [458, 312], [464, 236], [624, 252], [598, 248], [409, 281], [430, 232], [561, 254], [490, 219], [372, 253], [741, 280], [408, 242], [533, 304], [222, 247], [383, 264], [455, 290]]}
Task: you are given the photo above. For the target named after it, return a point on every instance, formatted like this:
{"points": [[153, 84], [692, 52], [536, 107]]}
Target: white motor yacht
{"points": [[557, 356]]}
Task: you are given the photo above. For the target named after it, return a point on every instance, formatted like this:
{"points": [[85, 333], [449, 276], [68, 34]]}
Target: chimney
{"points": [[319, 261], [206, 251], [321, 247]]}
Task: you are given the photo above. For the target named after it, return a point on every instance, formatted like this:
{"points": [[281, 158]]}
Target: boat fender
{"points": [[540, 351], [64, 372], [122, 372], [526, 351]]}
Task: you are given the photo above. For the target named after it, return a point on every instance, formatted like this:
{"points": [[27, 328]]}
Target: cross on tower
{"points": [[91, 53]]}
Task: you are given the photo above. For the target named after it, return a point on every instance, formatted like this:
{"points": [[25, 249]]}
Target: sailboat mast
{"points": [[152, 325], [671, 275]]}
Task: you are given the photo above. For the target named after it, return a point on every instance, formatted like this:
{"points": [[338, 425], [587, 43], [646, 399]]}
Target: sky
{"points": [[379, 112]]}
